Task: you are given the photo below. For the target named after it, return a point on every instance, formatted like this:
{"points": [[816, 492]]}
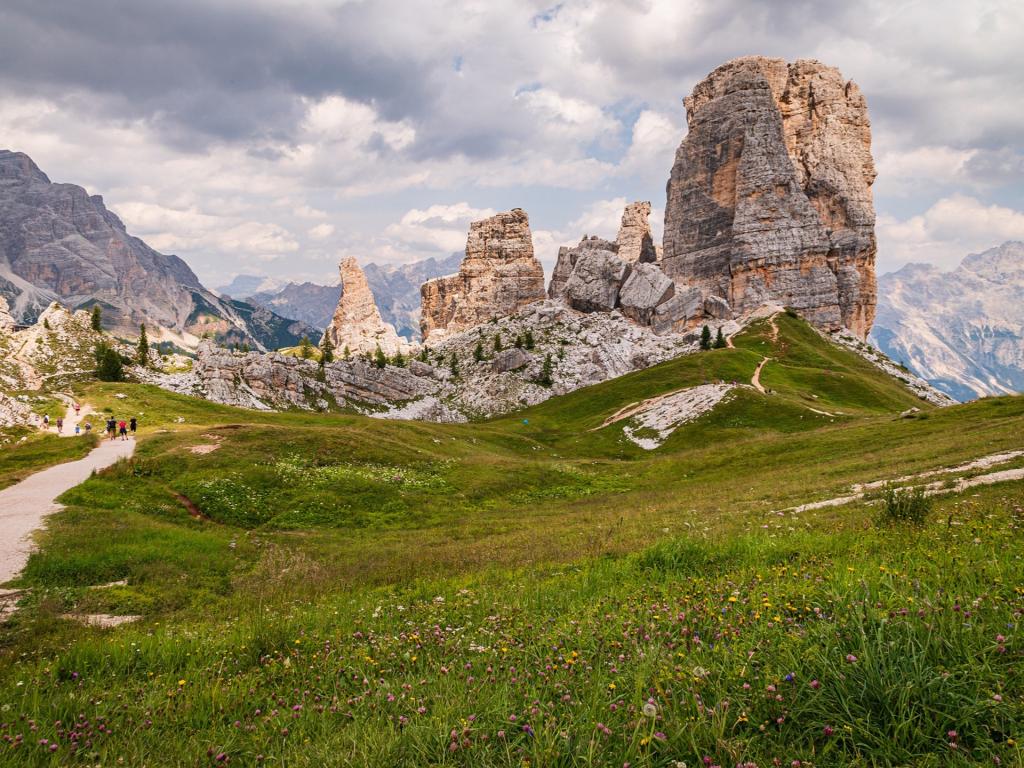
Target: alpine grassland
{"points": [[321, 589]]}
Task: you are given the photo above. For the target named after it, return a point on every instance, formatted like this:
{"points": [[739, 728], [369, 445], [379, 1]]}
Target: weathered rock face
{"points": [[6, 321], [498, 276], [646, 288], [770, 195], [634, 238], [59, 243], [357, 325], [597, 276]]}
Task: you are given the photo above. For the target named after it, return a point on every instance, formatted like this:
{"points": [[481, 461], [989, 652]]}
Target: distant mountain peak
{"points": [[17, 166]]}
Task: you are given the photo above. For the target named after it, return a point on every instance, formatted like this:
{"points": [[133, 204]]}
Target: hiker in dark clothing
{"points": [[133, 425], [112, 427]]}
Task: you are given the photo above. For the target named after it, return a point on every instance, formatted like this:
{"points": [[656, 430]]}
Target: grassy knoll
{"points": [[329, 589]]}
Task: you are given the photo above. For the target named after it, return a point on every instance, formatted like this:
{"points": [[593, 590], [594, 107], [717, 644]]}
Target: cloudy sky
{"points": [[273, 138]]}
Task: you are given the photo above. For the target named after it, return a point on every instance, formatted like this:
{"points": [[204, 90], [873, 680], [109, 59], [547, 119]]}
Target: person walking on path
{"points": [[88, 427], [60, 424], [112, 427], [122, 428], [78, 409], [78, 430], [46, 421], [133, 425]]}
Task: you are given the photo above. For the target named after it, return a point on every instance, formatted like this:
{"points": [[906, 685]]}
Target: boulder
{"points": [[769, 198], [683, 310], [563, 271], [511, 360], [718, 308], [645, 289], [597, 277]]}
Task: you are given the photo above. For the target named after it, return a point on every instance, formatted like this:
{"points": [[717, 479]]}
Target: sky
{"points": [[275, 138]]}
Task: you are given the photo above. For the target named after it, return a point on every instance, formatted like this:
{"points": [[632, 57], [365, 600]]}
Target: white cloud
{"points": [[949, 230], [321, 231], [440, 228]]}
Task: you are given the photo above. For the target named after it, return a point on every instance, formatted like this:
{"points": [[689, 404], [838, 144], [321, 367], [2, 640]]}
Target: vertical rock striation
{"points": [[498, 276], [770, 194], [357, 324]]}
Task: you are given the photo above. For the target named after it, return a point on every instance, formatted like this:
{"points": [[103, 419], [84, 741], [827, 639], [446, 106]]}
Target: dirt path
{"points": [[755, 380], [70, 418], [25, 505]]}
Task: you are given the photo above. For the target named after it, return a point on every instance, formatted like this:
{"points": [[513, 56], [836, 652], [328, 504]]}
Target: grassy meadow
{"points": [[331, 589]]}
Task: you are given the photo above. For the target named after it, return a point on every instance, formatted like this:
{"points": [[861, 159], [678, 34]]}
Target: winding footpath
{"points": [[25, 505]]}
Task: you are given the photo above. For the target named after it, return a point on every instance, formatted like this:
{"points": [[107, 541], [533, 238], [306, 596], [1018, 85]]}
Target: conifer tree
{"points": [[96, 318], [545, 379], [478, 351], [528, 340], [398, 360], [305, 348], [379, 359], [142, 350], [326, 351], [108, 363], [720, 340], [497, 342], [705, 338], [454, 365]]}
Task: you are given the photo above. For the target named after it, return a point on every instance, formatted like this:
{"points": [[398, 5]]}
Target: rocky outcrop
{"points": [[769, 199], [6, 320], [597, 276], [59, 243], [357, 325], [634, 238], [962, 330], [498, 276], [646, 289], [15, 413]]}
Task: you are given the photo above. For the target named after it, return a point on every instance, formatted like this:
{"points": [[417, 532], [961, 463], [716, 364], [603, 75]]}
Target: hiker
{"points": [[78, 408], [60, 424], [122, 428], [112, 427], [78, 430], [88, 427], [46, 421], [133, 425]]}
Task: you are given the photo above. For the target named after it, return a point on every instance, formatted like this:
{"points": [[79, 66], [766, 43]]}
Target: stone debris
{"points": [[769, 198], [357, 325], [498, 276], [597, 276], [656, 419]]}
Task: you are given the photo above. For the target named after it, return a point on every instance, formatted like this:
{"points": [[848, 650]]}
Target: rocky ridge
{"points": [[961, 330], [769, 198], [498, 276], [58, 243]]}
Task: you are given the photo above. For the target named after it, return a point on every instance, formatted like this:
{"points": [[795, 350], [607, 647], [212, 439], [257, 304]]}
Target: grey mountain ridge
{"points": [[961, 330], [58, 243]]}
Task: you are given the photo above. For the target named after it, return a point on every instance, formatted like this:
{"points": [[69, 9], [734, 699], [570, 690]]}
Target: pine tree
{"points": [[455, 365], [96, 318], [528, 341], [108, 363], [518, 342], [545, 379], [305, 348], [497, 342], [398, 360], [720, 340], [705, 338], [478, 351], [142, 350], [326, 351], [46, 323], [379, 359], [424, 355], [346, 353]]}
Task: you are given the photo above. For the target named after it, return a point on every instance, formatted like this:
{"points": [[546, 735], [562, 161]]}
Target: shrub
{"points": [[108, 363], [379, 358], [478, 352], [528, 339], [904, 506]]}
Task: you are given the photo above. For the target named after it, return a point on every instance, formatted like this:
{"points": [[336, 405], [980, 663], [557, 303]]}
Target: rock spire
{"points": [[357, 324], [769, 198]]}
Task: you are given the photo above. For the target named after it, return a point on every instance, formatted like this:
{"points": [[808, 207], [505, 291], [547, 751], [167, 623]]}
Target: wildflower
{"points": [[828, 730], [181, 683], [851, 658], [650, 709], [815, 684]]}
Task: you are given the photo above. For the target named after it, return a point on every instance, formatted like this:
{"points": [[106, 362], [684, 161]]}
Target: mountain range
{"points": [[396, 289], [961, 330], [59, 243]]}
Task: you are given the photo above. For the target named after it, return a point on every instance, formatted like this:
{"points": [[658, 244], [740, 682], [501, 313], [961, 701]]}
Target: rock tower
{"points": [[357, 323], [770, 194], [498, 276]]}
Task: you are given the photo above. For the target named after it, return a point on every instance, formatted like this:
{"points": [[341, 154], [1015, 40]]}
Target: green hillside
{"points": [[331, 589]]}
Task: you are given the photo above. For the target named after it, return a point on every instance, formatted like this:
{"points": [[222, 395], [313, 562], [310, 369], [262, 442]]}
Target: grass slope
{"points": [[533, 589]]}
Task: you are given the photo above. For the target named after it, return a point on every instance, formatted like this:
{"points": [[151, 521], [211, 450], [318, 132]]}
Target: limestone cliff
{"points": [[769, 198], [634, 238], [357, 325], [498, 276]]}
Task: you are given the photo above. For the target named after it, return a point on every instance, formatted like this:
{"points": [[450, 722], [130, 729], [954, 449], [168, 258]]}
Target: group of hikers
{"points": [[114, 427]]}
